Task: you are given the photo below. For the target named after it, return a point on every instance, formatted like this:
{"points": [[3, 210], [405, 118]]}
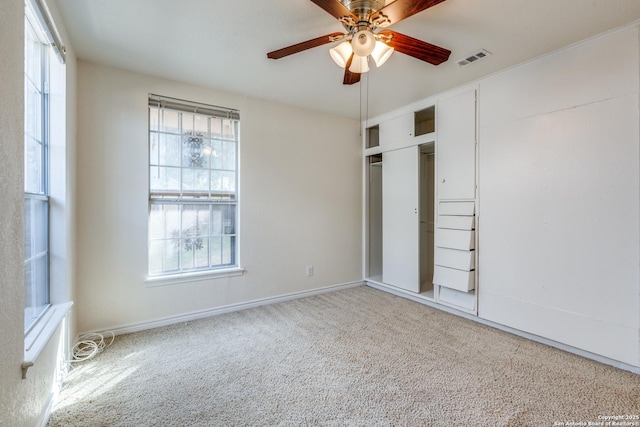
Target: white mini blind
{"points": [[193, 107], [43, 15]]}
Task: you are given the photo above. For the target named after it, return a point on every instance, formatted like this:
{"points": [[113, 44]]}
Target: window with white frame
{"points": [[193, 193], [36, 173]]}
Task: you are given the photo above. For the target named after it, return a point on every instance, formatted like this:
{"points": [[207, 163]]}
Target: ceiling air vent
{"points": [[476, 56]]}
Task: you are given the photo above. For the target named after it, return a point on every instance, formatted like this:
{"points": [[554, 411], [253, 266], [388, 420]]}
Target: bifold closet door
{"points": [[400, 219]]}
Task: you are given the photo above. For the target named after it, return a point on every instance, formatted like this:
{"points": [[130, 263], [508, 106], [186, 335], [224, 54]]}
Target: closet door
{"points": [[456, 118], [396, 133], [400, 219]]}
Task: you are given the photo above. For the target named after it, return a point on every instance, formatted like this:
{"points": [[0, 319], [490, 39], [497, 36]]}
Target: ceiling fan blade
{"points": [[417, 48], [401, 9], [335, 8], [349, 77], [299, 47]]}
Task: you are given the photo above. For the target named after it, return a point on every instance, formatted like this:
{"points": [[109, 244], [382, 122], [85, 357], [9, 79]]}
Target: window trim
{"points": [[41, 331], [193, 276]]}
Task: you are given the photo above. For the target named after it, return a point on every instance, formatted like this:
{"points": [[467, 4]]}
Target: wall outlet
{"points": [[309, 270]]}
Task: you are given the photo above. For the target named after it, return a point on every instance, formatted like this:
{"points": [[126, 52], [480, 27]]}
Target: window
{"points": [[36, 181], [193, 196]]}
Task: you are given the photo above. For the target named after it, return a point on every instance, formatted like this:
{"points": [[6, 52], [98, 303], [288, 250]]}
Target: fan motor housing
{"points": [[363, 8]]}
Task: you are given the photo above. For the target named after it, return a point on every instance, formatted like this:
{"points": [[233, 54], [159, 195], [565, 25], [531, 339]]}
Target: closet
{"points": [[400, 202], [427, 217], [420, 207]]}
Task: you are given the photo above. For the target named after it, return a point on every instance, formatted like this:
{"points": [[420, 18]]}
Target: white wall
{"points": [[559, 197], [300, 202], [23, 402]]}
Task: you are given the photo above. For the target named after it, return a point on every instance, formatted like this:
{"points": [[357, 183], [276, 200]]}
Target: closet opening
{"points": [[374, 219], [427, 196]]}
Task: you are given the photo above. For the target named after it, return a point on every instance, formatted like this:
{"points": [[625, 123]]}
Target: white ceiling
{"points": [[222, 44]]}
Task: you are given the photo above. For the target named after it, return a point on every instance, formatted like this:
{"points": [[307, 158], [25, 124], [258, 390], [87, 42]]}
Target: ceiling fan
{"points": [[365, 22]]}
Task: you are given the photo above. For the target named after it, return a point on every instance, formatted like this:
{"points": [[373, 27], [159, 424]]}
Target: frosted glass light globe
{"points": [[381, 53], [359, 65], [363, 43], [341, 54]]}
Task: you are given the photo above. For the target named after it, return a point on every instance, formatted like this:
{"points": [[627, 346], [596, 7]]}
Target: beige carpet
{"points": [[356, 357]]}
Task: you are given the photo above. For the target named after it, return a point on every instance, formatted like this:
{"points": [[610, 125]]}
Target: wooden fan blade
{"points": [[335, 8], [401, 9], [290, 50], [417, 48], [349, 77]]}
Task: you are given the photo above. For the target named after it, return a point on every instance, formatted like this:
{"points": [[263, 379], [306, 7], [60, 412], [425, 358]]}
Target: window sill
{"points": [[39, 336], [174, 279]]}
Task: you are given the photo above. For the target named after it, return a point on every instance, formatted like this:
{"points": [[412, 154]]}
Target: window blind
{"points": [[193, 107], [43, 15]]}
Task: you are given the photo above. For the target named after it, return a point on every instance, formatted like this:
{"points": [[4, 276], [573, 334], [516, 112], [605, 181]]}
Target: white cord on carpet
{"points": [[91, 344]]}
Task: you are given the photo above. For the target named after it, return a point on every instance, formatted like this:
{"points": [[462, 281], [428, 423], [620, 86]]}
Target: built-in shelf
{"points": [[424, 121], [430, 294], [375, 159], [373, 137]]}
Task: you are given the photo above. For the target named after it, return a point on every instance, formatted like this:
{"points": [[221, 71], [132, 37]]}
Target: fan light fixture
{"points": [[365, 35], [341, 53], [381, 53], [362, 45], [359, 64]]}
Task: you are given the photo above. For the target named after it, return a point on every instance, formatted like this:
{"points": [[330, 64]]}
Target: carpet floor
{"points": [[356, 357]]}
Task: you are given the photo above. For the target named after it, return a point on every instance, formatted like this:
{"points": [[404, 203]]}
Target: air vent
{"points": [[474, 57]]}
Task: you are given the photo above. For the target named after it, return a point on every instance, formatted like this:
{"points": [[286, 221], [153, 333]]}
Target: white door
{"points": [[400, 218], [456, 146]]}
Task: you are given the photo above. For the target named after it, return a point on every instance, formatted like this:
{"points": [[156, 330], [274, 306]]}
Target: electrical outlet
{"points": [[309, 270]]}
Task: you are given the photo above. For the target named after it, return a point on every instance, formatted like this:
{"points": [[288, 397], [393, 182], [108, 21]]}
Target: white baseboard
{"points": [[43, 420], [202, 314]]}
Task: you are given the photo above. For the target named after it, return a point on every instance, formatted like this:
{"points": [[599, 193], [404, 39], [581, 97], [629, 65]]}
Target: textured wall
{"points": [[11, 247], [23, 402]]}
